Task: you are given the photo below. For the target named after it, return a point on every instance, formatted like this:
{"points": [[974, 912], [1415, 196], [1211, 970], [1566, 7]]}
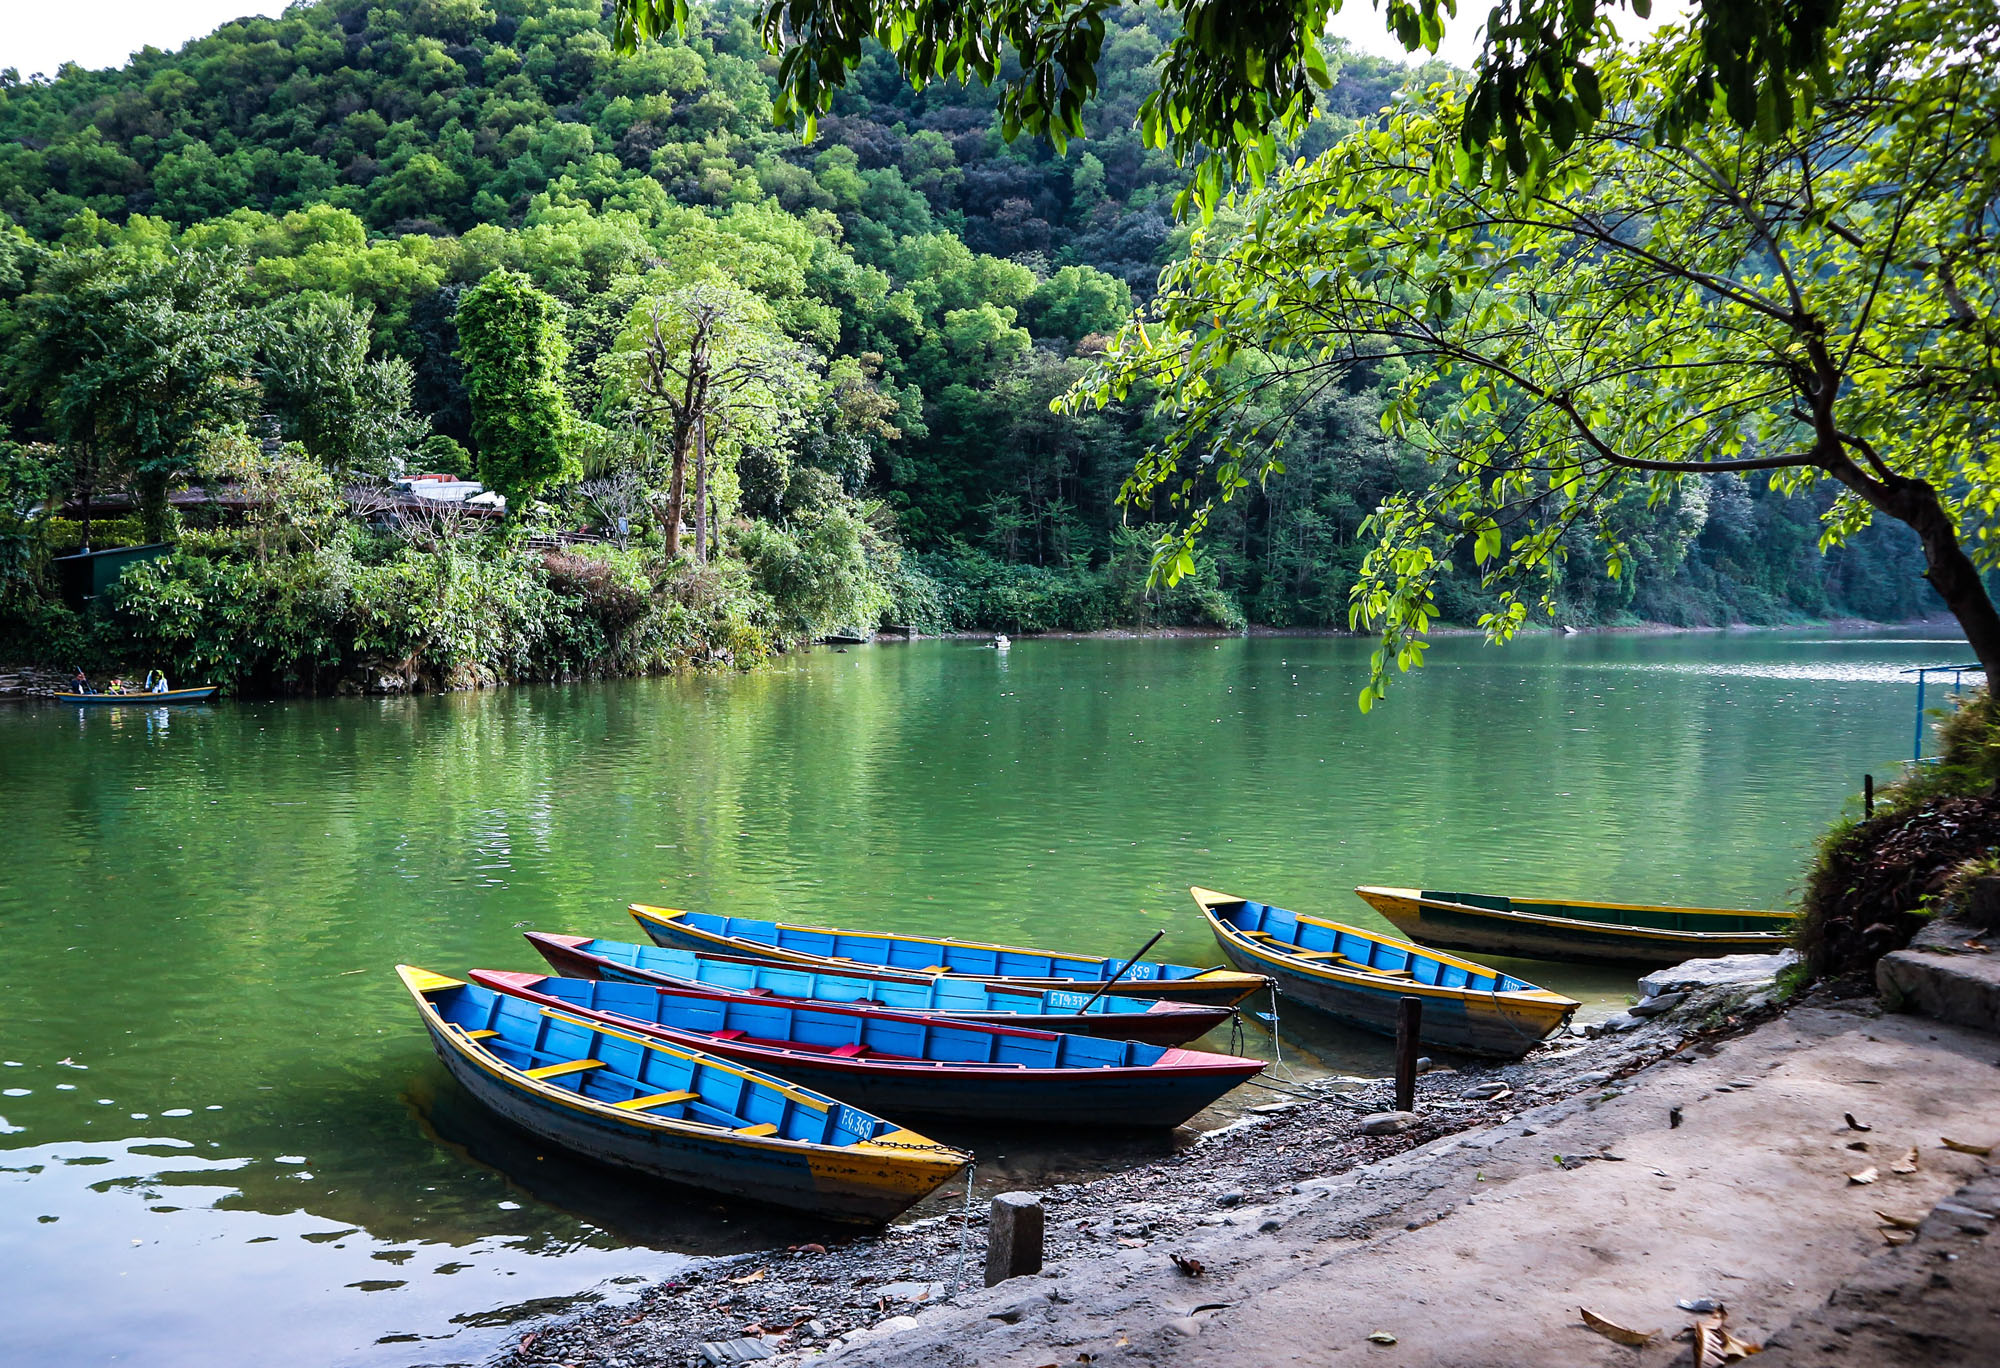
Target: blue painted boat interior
{"points": [[932, 995], [908, 952], [850, 1035], [1361, 951], [529, 1038]]}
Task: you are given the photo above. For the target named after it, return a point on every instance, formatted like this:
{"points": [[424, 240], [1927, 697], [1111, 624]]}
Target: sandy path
{"points": [[1747, 1200]]}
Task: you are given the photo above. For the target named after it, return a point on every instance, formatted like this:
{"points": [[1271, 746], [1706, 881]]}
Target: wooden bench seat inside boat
{"points": [[766, 1128], [652, 1100], [568, 1066]]}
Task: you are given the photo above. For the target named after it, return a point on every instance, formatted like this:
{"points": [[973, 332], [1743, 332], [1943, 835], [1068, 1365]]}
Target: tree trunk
{"points": [[155, 513], [1950, 571], [701, 489], [677, 490]]}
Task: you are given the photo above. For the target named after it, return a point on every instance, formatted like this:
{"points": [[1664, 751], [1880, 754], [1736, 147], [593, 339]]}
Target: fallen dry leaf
{"points": [[1852, 1124], [1867, 1175], [1381, 1337], [1131, 1243], [758, 1276], [1981, 1150], [1715, 1346], [1611, 1330], [1191, 1267], [1900, 1222], [1861, 1145], [1896, 1237], [1907, 1164]]}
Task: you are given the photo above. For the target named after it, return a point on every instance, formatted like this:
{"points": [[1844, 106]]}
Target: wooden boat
{"points": [[1359, 977], [674, 1113], [199, 694], [840, 952], [907, 1065], [1595, 932], [1051, 1009]]}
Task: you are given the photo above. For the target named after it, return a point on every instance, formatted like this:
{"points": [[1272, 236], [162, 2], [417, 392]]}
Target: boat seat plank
{"points": [[480, 1035], [568, 1066], [655, 1100], [1332, 956], [848, 1051], [765, 1128], [935, 969], [731, 1034]]}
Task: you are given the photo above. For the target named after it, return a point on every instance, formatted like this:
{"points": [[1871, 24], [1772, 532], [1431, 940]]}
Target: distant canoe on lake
{"points": [[1360, 977], [674, 1113], [1593, 932], [824, 948], [909, 1065], [201, 693], [1050, 1009]]}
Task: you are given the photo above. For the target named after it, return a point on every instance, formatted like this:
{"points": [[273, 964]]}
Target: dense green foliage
{"points": [[288, 226], [1236, 77]]}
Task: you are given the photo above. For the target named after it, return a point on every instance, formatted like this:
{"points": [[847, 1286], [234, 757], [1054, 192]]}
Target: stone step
{"points": [[1947, 974]]}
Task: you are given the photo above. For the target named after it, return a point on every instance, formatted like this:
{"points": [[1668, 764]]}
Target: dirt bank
{"points": [[1224, 1185], [1722, 1173]]}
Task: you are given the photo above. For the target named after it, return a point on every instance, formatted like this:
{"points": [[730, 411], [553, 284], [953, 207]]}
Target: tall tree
{"points": [[510, 340], [1822, 305], [704, 363], [349, 411], [127, 358]]}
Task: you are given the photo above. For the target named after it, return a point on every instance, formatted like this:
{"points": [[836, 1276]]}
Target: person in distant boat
{"points": [[118, 685], [80, 682], [156, 681]]}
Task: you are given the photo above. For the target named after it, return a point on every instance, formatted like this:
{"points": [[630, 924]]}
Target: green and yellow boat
{"points": [[1591, 932]]}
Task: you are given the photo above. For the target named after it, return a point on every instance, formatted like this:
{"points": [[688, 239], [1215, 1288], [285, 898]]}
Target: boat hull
{"points": [[1480, 930], [1212, 988], [1164, 1023], [140, 700], [868, 1189]]}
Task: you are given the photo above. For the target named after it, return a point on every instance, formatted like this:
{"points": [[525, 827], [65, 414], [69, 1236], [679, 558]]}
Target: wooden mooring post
{"points": [[1014, 1237], [1409, 1025], [1868, 795]]}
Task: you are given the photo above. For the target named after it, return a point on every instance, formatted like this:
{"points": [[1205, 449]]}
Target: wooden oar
{"points": [[1085, 1010]]}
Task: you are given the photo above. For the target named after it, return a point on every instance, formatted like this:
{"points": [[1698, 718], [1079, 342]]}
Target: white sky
{"points": [[40, 35]]}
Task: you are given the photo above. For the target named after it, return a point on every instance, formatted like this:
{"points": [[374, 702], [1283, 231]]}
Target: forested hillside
{"points": [[304, 205]]}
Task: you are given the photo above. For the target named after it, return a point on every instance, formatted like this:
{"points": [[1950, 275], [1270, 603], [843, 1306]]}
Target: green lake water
{"points": [[220, 1124]]}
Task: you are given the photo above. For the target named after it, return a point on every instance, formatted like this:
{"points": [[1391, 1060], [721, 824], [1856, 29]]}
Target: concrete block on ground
{"points": [[1014, 1237]]}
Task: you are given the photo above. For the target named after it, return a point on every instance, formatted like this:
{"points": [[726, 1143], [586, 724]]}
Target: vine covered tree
{"points": [[1820, 306], [511, 343]]}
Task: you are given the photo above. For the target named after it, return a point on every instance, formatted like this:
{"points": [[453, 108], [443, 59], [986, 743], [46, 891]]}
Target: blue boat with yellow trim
{"points": [[674, 1113], [907, 1065], [1591, 932], [1050, 1009], [1360, 977], [838, 951]]}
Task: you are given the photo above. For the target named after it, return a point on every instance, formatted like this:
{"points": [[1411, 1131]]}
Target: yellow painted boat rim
{"points": [[1418, 896], [1220, 974]]}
